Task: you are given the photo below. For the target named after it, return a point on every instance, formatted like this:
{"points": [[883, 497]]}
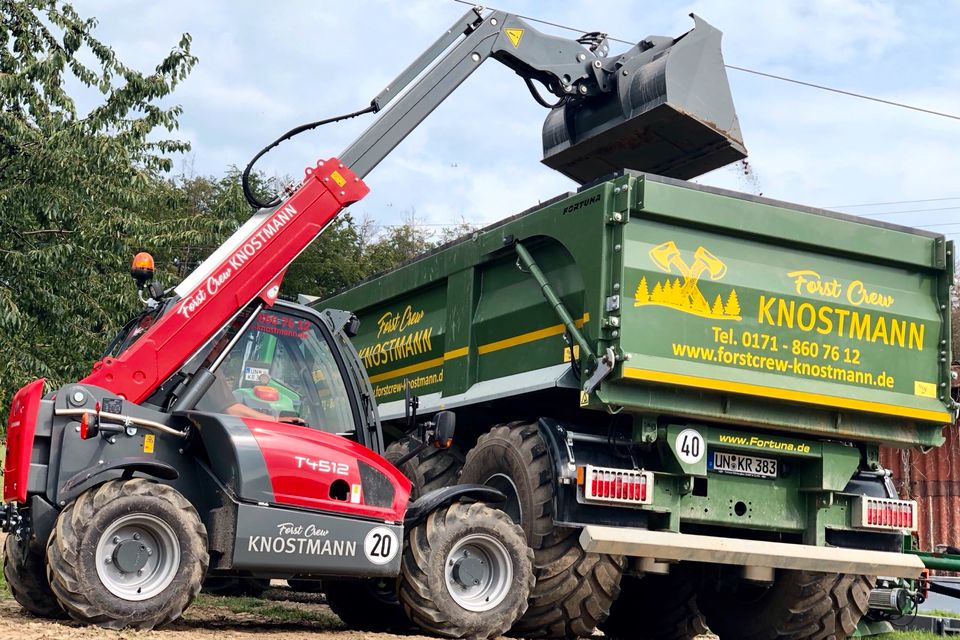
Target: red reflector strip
{"points": [[618, 485], [884, 513]]}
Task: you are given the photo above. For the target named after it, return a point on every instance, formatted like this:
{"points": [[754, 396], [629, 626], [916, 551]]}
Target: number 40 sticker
{"points": [[689, 446]]}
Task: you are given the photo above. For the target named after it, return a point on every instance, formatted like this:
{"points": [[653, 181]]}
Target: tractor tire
{"points": [[574, 589], [466, 572], [235, 586], [26, 574], [799, 605], [667, 605], [430, 469], [129, 553], [368, 605]]}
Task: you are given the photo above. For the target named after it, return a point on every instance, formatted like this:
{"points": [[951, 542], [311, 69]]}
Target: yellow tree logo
{"points": [[685, 295]]}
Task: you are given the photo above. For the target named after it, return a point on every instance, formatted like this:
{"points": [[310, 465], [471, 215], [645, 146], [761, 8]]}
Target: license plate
{"points": [[736, 464]]}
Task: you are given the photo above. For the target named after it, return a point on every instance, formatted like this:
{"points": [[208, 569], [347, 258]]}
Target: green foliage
{"points": [[78, 192]]}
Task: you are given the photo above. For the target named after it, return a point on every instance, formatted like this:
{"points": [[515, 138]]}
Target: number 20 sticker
{"points": [[381, 545], [689, 446]]}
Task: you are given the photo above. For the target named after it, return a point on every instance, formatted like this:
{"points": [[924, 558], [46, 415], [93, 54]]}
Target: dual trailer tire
{"points": [[655, 607], [799, 605], [430, 469], [128, 553], [574, 589]]}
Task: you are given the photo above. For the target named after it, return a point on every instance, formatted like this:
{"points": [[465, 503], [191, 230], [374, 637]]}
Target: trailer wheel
{"points": [[235, 586], [801, 605], [667, 605], [574, 589], [368, 605], [129, 553], [466, 572], [26, 574], [430, 469]]}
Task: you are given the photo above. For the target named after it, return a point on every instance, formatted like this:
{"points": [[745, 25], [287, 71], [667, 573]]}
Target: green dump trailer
{"points": [[682, 392]]}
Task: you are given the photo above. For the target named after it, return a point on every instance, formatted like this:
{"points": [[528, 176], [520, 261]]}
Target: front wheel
{"points": [[466, 572], [26, 574], [129, 553]]}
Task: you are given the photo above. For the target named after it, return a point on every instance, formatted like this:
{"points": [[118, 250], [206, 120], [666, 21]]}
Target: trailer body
{"points": [[759, 352]]}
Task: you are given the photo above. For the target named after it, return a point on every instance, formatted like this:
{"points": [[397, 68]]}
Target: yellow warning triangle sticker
{"points": [[514, 35]]}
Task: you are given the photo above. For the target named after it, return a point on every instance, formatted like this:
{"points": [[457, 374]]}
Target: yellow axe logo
{"points": [[685, 295]]}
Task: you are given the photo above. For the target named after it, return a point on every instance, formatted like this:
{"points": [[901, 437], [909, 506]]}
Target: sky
{"points": [[267, 67]]}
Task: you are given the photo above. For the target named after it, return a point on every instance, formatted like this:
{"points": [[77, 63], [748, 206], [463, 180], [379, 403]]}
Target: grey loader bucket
{"points": [[672, 114]]}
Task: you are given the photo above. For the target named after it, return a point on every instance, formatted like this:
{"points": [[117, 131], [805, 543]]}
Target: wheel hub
{"points": [[130, 556], [137, 556], [469, 571]]}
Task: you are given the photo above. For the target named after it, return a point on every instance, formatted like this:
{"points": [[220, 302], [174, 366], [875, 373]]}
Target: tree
{"points": [[397, 245], [333, 262], [733, 305], [642, 295], [717, 307], [79, 193]]}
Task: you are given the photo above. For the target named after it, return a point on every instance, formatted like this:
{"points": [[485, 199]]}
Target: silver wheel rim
{"points": [[137, 556], [478, 572]]}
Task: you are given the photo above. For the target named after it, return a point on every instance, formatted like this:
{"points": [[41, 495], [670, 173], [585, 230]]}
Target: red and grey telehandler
{"points": [[228, 433]]}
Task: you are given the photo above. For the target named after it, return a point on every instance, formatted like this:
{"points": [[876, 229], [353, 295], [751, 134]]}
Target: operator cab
{"points": [[282, 367]]}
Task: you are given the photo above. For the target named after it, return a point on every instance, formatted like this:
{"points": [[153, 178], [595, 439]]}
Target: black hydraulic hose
{"points": [[539, 98], [245, 179]]}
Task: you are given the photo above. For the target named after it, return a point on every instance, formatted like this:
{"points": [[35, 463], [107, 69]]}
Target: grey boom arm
{"points": [[613, 111], [562, 65]]}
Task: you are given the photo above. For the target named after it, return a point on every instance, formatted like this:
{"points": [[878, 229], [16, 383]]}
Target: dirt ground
{"points": [[210, 617]]}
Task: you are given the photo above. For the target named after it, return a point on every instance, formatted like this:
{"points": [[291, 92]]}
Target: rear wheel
{"points": [[574, 589], [466, 572], [667, 605], [129, 553], [799, 605], [26, 574], [430, 469], [368, 605]]}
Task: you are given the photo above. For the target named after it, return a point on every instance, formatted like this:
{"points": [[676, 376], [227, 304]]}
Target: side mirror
{"points": [[445, 424]]}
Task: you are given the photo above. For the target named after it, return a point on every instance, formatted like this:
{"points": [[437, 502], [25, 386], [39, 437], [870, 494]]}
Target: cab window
{"points": [[282, 367]]}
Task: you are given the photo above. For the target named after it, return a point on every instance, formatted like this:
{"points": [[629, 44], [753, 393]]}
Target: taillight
{"points": [[606, 484], [884, 513]]}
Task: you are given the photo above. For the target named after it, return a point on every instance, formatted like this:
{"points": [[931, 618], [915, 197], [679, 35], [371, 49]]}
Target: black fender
{"points": [[148, 466], [428, 503]]}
